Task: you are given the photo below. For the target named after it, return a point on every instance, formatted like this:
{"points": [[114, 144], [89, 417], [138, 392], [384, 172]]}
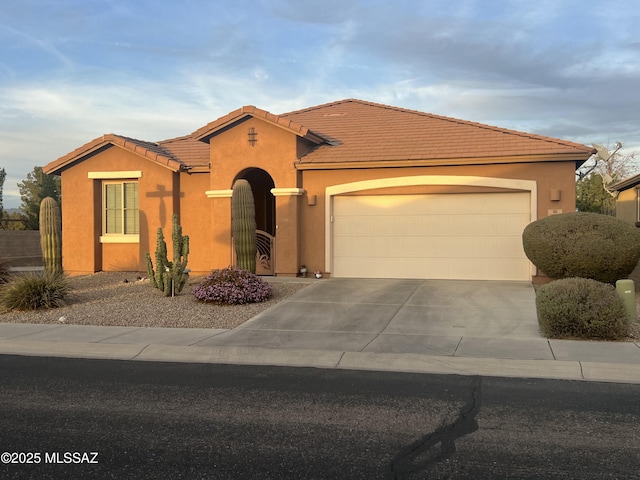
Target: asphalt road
{"points": [[111, 419]]}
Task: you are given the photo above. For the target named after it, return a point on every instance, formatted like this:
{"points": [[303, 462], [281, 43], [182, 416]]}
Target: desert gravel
{"points": [[106, 299]]}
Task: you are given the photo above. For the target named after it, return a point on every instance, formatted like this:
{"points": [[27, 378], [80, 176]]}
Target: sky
{"points": [[73, 70]]}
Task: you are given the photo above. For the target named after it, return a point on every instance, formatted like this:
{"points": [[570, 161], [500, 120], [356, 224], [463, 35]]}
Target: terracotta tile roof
{"points": [[353, 131], [239, 115], [166, 153], [188, 151], [362, 131]]}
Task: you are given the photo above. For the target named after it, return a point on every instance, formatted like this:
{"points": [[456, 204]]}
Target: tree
{"points": [[15, 225], [592, 194], [33, 190]]}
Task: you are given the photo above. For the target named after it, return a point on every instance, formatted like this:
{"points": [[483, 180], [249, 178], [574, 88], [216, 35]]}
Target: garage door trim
{"points": [[505, 183]]}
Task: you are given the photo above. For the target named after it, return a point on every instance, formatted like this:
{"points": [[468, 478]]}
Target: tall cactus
{"points": [[170, 277], [243, 225], [51, 236]]}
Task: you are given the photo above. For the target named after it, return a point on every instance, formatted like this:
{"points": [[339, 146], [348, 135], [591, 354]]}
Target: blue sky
{"points": [[72, 70]]}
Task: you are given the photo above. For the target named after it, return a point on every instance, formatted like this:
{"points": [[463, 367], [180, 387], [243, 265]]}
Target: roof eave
{"points": [[205, 133], [440, 162], [106, 141], [625, 184]]}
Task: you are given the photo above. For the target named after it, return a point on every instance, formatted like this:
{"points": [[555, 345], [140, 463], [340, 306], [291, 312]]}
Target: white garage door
{"points": [[445, 236]]}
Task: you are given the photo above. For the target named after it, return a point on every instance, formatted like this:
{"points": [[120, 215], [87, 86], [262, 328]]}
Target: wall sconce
{"points": [[555, 195], [311, 200]]}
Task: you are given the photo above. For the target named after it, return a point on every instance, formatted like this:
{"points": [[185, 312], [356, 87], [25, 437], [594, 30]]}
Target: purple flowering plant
{"points": [[232, 286]]}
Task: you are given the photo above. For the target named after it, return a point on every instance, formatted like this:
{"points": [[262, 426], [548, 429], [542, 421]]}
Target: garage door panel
{"points": [[469, 247], [494, 269], [476, 204], [428, 247], [461, 224], [466, 236]]}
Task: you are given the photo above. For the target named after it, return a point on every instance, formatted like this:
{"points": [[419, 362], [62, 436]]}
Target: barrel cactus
{"points": [[170, 277], [243, 225], [51, 236]]}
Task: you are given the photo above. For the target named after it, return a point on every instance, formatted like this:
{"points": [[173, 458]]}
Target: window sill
{"points": [[120, 239]]}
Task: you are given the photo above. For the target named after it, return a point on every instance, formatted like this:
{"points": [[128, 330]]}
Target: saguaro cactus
{"points": [[170, 277], [51, 236], [243, 225]]}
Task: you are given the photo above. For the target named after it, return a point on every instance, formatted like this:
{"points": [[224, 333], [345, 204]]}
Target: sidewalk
{"points": [[429, 326], [559, 359]]}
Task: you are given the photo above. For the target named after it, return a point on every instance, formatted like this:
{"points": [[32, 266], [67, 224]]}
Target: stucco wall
{"points": [[275, 153], [549, 178], [195, 219], [82, 251]]}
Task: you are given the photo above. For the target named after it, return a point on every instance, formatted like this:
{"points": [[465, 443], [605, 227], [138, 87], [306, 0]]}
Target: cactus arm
{"points": [[150, 273]]}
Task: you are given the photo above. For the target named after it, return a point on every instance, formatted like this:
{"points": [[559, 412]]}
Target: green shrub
{"points": [[580, 244], [581, 308], [31, 292]]}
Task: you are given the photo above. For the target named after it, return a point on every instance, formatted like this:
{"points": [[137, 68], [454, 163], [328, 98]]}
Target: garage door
{"points": [[445, 236]]}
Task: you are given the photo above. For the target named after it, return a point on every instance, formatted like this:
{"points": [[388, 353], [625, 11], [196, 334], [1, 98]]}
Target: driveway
{"points": [[436, 317]]}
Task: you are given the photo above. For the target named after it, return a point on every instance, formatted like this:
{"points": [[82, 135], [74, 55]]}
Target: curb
{"points": [[390, 362]]}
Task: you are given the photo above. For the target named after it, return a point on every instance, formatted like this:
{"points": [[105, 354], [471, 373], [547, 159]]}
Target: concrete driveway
{"points": [[435, 317]]}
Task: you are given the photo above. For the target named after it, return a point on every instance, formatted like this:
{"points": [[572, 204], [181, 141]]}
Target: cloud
{"points": [[71, 71], [44, 45]]}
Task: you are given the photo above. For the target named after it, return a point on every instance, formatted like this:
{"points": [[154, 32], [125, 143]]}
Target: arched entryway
{"points": [[265, 205]]}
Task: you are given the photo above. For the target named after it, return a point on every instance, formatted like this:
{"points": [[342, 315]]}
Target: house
{"points": [[351, 188], [627, 199]]}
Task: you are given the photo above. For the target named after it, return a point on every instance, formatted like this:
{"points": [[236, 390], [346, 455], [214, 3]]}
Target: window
{"points": [[120, 208]]}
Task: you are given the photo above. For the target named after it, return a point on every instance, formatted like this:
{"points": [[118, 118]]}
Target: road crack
{"points": [[433, 448]]}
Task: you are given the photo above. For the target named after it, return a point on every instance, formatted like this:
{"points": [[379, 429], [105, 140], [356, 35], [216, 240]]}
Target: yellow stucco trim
{"points": [[115, 175], [277, 192], [120, 239], [507, 183], [281, 192], [219, 193]]}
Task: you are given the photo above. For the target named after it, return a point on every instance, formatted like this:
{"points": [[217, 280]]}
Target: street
{"points": [[77, 418]]}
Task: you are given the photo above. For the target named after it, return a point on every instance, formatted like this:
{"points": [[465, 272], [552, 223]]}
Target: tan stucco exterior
{"points": [[299, 194], [627, 206], [83, 251]]}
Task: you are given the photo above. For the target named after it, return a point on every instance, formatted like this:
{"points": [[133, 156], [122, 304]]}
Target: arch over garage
{"points": [[527, 200]]}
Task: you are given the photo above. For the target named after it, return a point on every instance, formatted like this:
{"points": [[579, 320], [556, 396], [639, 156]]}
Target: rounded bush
{"points": [[232, 286], [581, 308], [31, 292], [581, 244]]}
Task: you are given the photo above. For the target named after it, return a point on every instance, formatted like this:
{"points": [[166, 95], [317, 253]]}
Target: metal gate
{"points": [[265, 253]]}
